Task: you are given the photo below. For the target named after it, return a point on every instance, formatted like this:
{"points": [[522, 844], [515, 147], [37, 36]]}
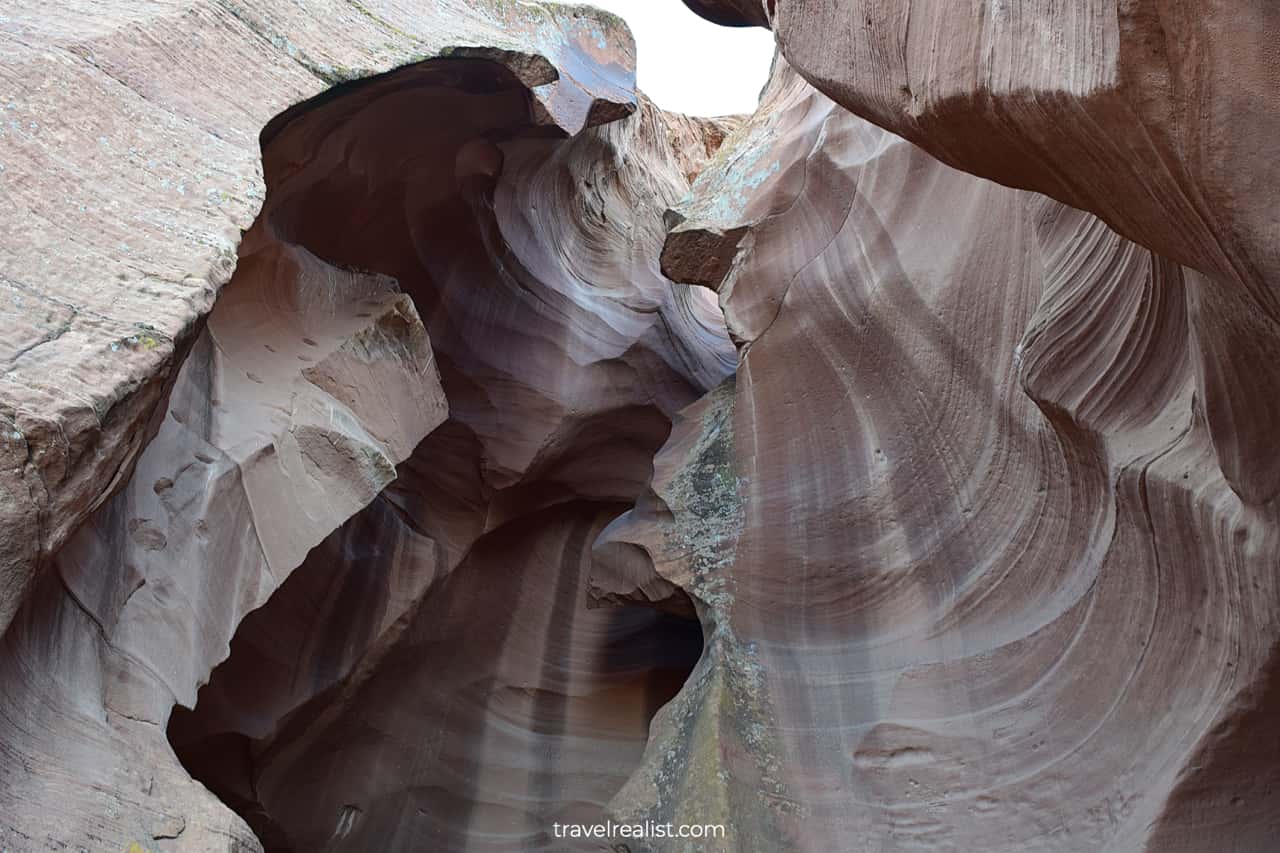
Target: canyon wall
{"points": [[972, 575], [416, 439]]}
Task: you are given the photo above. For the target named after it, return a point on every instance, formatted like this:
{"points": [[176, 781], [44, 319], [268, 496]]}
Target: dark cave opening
{"points": [[437, 668], [511, 684]]}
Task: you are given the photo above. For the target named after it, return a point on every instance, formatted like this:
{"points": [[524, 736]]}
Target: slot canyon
{"points": [[413, 438]]}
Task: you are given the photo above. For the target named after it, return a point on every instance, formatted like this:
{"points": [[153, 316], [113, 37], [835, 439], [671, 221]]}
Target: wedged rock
{"points": [[971, 574]]}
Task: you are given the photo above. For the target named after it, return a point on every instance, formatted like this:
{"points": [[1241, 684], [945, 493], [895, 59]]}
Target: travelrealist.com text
{"points": [[645, 829]]}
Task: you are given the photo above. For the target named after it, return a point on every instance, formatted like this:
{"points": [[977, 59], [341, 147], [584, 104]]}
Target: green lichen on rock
{"points": [[714, 756], [705, 500], [376, 460]]}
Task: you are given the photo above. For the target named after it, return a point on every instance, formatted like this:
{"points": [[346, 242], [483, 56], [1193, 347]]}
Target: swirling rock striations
{"points": [[1158, 117], [447, 504], [1161, 118], [131, 165], [561, 349], [972, 576], [507, 703]]}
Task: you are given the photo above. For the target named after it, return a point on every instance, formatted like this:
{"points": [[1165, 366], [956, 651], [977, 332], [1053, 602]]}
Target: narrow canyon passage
{"points": [[502, 705], [436, 674], [411, 438], [442, 253]]}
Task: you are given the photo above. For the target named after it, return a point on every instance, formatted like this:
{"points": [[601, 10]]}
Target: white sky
{"points": [[688, 64]]}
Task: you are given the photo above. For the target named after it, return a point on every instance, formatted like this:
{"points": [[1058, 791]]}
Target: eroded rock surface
{"points": [[564, 354], [1158, 117], [1161, 118], [972, 575], [130, 165], [463, 509], [315, 376], [306, 387]]}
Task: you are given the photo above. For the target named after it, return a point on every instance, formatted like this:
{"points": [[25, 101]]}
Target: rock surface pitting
{"points": [[437, 507]]}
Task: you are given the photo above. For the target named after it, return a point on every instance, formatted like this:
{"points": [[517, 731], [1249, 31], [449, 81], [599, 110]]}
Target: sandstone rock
{"points": [[533, 262], [563, 353], [1161, 118], [965, 585], [464, 510], [734, 13], [129, 157], [305, 388]]}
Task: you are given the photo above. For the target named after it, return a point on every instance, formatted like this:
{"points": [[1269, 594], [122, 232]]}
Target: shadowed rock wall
{"points": [[458, 515], [563, 355], [564, 352], [973, 576]]}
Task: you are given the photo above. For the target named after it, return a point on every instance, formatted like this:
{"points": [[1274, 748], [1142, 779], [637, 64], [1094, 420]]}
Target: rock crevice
{"points": [[892, 464]]}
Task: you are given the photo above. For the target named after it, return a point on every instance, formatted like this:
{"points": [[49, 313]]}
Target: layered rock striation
{"points": [[889, 469], [506, 701], [1158, 117], [132, 164], [401, 282], [972, 575]]}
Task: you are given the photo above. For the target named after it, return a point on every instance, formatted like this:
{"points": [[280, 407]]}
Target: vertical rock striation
{"points": [[972, 575], [418, 438]]}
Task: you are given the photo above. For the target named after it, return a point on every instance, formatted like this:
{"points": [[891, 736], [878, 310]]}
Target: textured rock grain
{"points": [[1160, 117], [379, 472], [972, 576], [314, 376], [564, 354], [129, 161]]}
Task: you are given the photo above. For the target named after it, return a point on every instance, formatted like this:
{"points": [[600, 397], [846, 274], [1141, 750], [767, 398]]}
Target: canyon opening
{"points": [[414, 438]]}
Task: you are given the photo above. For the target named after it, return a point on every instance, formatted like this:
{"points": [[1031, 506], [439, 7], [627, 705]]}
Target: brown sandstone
{"points": [[379, 472]]}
